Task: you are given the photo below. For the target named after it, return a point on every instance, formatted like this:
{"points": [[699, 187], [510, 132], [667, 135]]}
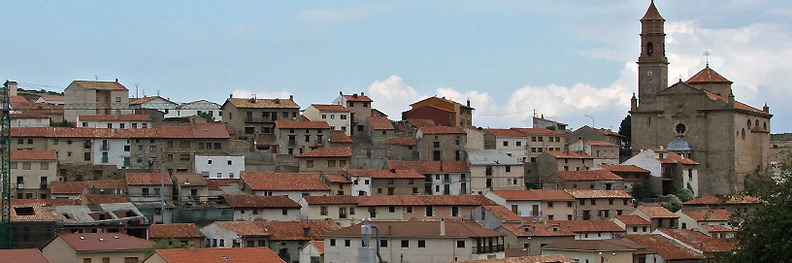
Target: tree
{"points": [[684, 194], [164, 244], [625, 130], [642, 191], [764, 236], [672, 203]]}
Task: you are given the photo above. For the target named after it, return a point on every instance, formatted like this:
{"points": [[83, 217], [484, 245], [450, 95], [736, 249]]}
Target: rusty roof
{"points": [[331, 200], [257, 201], [506, 132], [657, 212], [339, 136], [589, 175], [328, 152], [271, 181], [147, 179], [440, 130], [429, 229], [26, 255], [34, 155], [302, 125], [708, 214], [430, 167], [666, 248], [580, 194], [406, 141], [105, 242], [254, 103], [625, 168], [632, 220], [419, 200], [123, 117], [700, 240], [189, 179], [387, 174], [91, 199], [380, 123], [179, 230], [329, 107], [99, 85], [219, 255]]}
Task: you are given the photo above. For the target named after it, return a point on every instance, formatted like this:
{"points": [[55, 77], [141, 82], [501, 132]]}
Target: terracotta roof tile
{"points": [[257, 201], [147, 179], [387, 174], [253, 103], [380, 123], [626, 168], [399, 229], [719, 200], [707, 75], [406, 141], [708, 214], [270, 181], [524, 259], [580, 194], [538, 131], [180, 230], [91, 199], [430, 167], [77, 187], [99, 85], [331, 200], [516, 195], [28, 116], [328, 152], [201, 131], [27, 255], [537, 230], [438, 130], [418, 200], [657, 212], [666, 248], [294, 230], [582, 226], [421, 122], [330, 107], [718, 228], [337, 178], [339, 136], [553, 195], [215, 184], [319, 245], [601, 143], [633, 220], [104, 241], [34, 155], [124, 117], [30, 213], [506, 132], [589, 175], [672, 157], [189, 179], [220, 255], [302, 125], [356, 97], [503, 213], [245, 228], [194, 102], [570, 155], [700, 240]]}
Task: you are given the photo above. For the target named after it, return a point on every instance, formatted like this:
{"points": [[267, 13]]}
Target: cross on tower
{"points": [[706, 56]]}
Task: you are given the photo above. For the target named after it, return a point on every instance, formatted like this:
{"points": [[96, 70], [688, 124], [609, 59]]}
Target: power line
{"points": [[505, 113]]}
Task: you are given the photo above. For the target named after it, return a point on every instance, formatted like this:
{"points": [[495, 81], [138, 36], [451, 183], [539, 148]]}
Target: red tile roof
{"points": [[194, 102], [430, 167], [380, 123], [552, 195], [516, 195], [626, 168], [77, 187], [30, 213], [439, 130], [666, 248], [506, 132], [189, 179], [601, 143], [339, 136], [708, 215], [589, 175], [253, 103], [594, 246], [99, 85], [356, 97], [270, 181], [700, 240], [633, 220], [657, 212], [569, 155], [199, 131], [181, 230], [430, 229], [580, 194], [123, 117], [328, 152], [705, 76], [104, 242], [282, 230], [652, 13], [418, 200], [387, 174], [538, 230], [302, 125], [672, 157], [337, 178], [406, 141], [503, 213], [215, 184], [219, 255], [330, 107], [331, 200], [34, 155], [245, 228], [538, 131], [719, 200], [90, 199], [27, 255], [319, 245], [582, 226], [521, 258], [45, 202], [421, 122], [257, 201], [147, 179], [145, 99], [718, 228], [28, 116]]}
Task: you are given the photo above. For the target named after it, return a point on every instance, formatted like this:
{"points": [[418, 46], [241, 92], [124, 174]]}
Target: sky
{"points": [[570, 61]]}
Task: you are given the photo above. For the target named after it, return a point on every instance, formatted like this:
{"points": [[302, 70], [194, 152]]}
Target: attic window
{"points": [[24, 211]]}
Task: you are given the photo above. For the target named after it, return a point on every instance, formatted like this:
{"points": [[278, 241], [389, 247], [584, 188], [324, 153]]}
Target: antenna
{"points": [[706, 56], [137, 90], [96, 77]]}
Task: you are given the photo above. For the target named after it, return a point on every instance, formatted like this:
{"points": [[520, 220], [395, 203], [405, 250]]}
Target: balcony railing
{"points": [[488, 249], [43, 186]]}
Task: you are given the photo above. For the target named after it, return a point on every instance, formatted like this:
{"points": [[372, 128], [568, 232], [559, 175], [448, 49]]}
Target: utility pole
{"points": [[5, 168]]}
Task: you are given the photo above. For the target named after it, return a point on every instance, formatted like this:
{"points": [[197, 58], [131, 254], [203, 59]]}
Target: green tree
{"points": [[625, 130], [684, 194], [672, 203], [643, 190], [764, 234], [164, 244]]}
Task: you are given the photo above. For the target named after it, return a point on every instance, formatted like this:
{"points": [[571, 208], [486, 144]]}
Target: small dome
{"points": [[679, 145]]}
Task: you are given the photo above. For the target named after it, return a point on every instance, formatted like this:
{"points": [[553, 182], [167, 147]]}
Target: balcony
{"points": [[43, 185], [488, 249], [104, 159], [20, 186]]}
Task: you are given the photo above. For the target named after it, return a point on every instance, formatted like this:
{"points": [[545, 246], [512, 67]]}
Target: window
{"points": [[391, 209], [283, 212], [422, 243], [332, 242], [26, 166], [347, 242], [409, 209], [519, 143], [87, 156], [508, 169], [324, 116], [455, 211], [505, 143], [429, 211], [383, 242], [323, 210], [331, 163], [309, 163], [460, 243], [405, 243]]}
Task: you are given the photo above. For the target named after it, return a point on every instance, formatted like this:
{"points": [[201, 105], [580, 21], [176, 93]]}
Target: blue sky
{"points": [[564, 59]]}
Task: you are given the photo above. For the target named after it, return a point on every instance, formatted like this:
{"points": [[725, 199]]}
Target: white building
{"points": [[494, 170], [219, 167], [29, 120], [442, 177], [337, 116], [112, 151], [361, 184], [668, 170], [196, 108], [153, 103], [603, 152], [511, 142], [126, 121]]}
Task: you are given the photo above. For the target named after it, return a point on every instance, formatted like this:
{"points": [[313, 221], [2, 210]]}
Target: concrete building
{"points": [[542, 140], [731, 139], [511, 142], [441, 143], [493, 170], [84, 97], [441, 177], [126, 121], [95, 247], [33, 171], [360, 107], [219, 167], [419, 241], [604, 153], [337, 116]]}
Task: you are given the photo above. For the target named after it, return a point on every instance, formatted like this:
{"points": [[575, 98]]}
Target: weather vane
{"points": [[706, 56]]}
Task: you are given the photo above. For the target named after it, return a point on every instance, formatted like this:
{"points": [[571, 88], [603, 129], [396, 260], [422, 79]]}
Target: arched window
{"points": [[764, 124], [748, 122], [743, 133], [756, 123], [649, 49]]}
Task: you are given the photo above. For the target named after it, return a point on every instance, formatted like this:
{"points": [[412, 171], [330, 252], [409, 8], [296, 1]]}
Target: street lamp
{"points": [[604, 259]]}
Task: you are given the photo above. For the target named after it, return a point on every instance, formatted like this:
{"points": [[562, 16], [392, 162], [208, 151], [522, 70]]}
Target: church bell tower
{"points": [[652, 64]]}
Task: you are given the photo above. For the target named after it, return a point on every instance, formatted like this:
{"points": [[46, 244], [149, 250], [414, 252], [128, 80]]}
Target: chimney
{"points": [[231, 95], [12, 87], [766, 108], [634, 102], [291, 96], [191, 246], [277, 101], [730, 99], [340, 93], [442, 227], [354, 95], [393, 171], [362, 94], [116, 80], [307, 231], [468, 102]]}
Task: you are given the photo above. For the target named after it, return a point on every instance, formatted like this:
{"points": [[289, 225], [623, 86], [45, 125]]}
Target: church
{"points": [[698, 118]]}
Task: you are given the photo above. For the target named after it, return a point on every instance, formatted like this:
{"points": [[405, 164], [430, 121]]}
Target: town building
{"points": [[85, 97], [604, 153], [588, 133], [29, 120], [95, 247], [298, 137], [33, 171], [202, 108], [441, 177], [27, 255], [601, 204], [74, 189], [633, 224], [214, 255], [511, 142], [325, 159], [630, 173], [293, 185], [551, 162], [259, 208], [442, 111], [587, 179], [190, 188], [219, 167], [539, 204], [734, 204], [669, 171], [542, 140], [441, 143], [187, 234], [658, 216], [608, 250], [360, 107], [336, 116], [253, 118], [390, 182], [493, 170], [125, 121]]}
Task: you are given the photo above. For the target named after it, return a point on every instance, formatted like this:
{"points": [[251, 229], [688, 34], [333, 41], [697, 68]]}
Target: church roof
{"points": [[737, 105], [707, 75], [652, 13], [679, 145]]}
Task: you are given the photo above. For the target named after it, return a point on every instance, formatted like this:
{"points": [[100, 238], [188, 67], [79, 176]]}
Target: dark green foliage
{"points": [[64, 123], [164, 244], [684, 194], [672, 203], [642, 191], [625, 129]]}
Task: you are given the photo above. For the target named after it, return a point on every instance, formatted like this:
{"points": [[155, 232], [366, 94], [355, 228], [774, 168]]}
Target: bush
{"points": [[672, 203], [684, 194]]}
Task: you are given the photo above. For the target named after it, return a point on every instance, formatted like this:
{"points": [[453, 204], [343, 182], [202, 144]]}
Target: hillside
{"points": [[33, 95]]}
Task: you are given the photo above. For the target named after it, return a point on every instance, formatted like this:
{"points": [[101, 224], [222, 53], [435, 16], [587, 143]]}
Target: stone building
{"points": [[297, 137], [442, 111], [33, 171], [360, 107], [337, 116], [700, 116], [441, 143], [255, 118], [83, 97]]}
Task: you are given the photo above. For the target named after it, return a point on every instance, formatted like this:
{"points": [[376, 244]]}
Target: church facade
{"points": [[698, 118]]}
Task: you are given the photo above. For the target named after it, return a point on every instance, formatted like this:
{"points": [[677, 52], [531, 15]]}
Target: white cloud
{"points": [[392, 96]]}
